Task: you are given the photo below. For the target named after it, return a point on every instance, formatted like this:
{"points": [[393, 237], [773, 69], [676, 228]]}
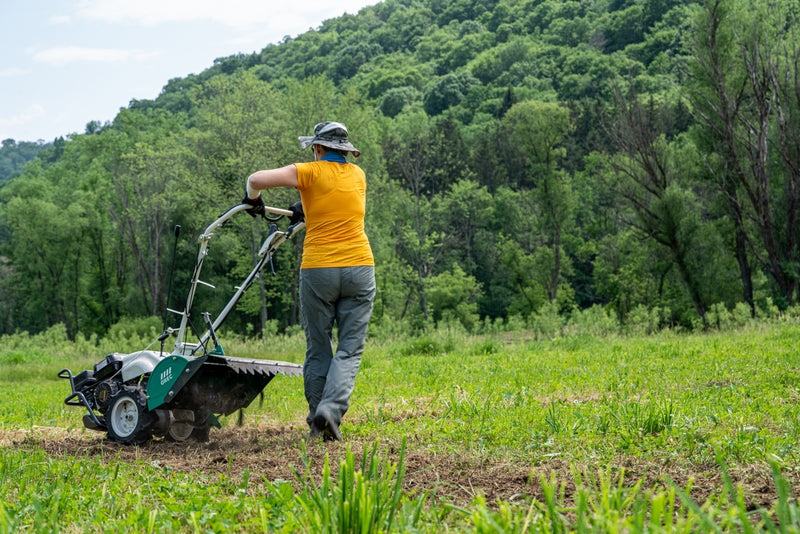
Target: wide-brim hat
{"points": [[331, 135]]}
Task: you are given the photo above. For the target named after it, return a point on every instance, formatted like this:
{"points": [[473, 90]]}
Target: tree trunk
{"points": [[556, 264], [745, 271]]}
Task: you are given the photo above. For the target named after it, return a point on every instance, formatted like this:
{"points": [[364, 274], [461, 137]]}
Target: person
{"points": [[337, 272]]}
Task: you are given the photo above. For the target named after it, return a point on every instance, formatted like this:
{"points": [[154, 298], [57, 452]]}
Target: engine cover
{"points": [[108, 366]]}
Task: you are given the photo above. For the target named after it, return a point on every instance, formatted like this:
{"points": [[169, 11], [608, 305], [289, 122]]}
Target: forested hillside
{"points": [[15, 155], [528, 161]]}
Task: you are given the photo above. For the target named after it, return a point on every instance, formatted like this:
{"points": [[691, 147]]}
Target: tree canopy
{"points": [[524, 157]]}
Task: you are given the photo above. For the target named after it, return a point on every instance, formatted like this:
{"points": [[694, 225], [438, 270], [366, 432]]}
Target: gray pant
{"points": [[343, 295]]}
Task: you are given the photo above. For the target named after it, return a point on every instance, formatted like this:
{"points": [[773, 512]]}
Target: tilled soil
{"points": [[274, 452]]}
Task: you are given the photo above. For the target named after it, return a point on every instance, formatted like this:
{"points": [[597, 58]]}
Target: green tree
{"points": [[419, 242], [744, 90], [15, 155], [241, 129], [454, 294], [468, 211], [447, 91], [647, 174], [537, 130], [146, 168], [46, 254], [396, 99], [347, 60]]}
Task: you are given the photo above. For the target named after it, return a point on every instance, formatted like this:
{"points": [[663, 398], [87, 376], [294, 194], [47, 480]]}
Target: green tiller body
{"points": [[179, 394]]}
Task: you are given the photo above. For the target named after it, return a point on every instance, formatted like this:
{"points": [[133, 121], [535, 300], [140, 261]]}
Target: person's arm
{"points": [[284, 176]]}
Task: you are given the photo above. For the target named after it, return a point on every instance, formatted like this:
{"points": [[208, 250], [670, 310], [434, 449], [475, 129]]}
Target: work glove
{"points": [[297, 213], [257, 203]]}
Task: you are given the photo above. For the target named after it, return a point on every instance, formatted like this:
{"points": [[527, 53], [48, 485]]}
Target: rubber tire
{"points": [[127, 419], [181, 431]]}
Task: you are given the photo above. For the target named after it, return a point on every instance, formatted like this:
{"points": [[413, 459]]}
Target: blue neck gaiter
{"points": [[333, 156]]}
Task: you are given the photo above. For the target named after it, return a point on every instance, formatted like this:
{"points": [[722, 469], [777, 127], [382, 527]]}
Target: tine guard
{"points": [[224, 384]]}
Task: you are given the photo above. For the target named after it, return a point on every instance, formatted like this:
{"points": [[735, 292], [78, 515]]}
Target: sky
{"points": [[64, 63]]}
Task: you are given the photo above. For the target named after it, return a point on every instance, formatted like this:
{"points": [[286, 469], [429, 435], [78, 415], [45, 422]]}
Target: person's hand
{"points": [[297, 213], [257, 203]]}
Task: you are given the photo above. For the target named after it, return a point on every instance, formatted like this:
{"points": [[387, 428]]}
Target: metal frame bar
{"points": [[273, 240]]}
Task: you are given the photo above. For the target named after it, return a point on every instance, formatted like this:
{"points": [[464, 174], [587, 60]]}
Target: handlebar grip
{"points": [[278, 211]]}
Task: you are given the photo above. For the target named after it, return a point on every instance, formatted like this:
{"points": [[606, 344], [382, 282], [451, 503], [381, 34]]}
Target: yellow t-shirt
{"points": [[334, 201]]}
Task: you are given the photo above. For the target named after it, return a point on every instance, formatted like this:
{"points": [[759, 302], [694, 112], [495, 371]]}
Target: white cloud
{"points": [[68, 54], [13, 72], [59, 19], [34, 112], [233, 13], [236, 14]]}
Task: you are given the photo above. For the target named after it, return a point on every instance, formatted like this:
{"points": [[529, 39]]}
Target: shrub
{"points": [[389, 328], [719, 317], [491, 326], [425, 346], [452, 296], [515, 323], [130, 334], [594, 321], [547, 323], [487, 346], [642, 320], [135, 326], [767, 310], [742, 314]]}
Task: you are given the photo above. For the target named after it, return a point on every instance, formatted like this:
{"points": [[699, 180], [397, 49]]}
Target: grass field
{"points": [[449, 432]]}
